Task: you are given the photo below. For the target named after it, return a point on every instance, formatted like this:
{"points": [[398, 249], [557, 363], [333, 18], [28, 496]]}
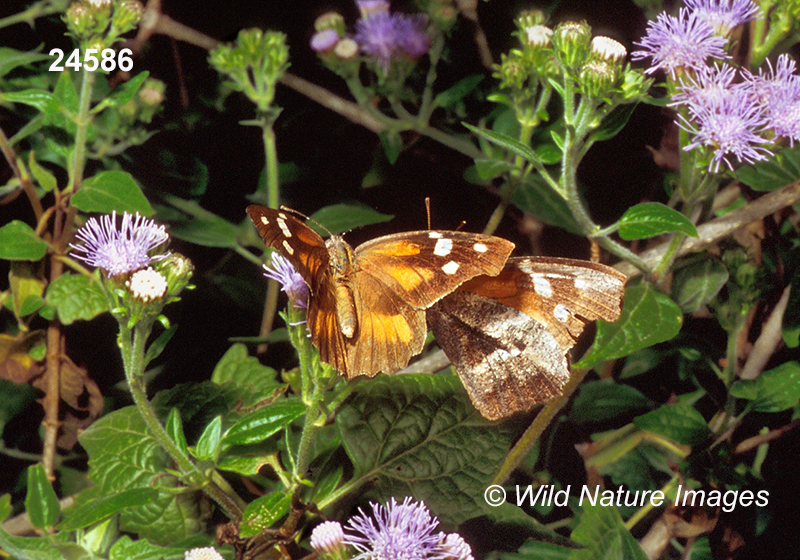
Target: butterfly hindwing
{"points": [[517, 327]]}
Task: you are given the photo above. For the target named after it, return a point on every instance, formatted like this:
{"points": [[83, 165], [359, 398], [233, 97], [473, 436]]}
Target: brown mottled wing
{"points": [[506, 360], [423, 266], [508, 336], [300, 244]]}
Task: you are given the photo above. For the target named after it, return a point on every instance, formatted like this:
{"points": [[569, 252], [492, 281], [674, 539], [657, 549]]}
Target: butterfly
{"points": [[366, 305], [508, 336]]}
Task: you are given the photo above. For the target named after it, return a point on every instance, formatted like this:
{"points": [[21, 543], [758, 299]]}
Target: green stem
{"points": [[271, 158]]}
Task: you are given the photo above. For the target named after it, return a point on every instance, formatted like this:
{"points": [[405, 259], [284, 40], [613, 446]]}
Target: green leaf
{"points": [[66, 93], [648, 317], [774, 173], [158, 345], [205, 228], [76, 296], [613, 122], [12, 58], [253, 381], [392, 144], [86, 513], [791, 316], [653, 218], [41, 502], [458, 91], [537, 197], [506, 142], [775, 390], [680, 423], [174, 428], [339, 218], [38, 98], [46, 179], [263, 512], [491, 168], [604, 536], [258, 425], [5, 503], [419, 435], [18, 242], [109, 191], [208, 445], [124, 455], [126, 549], [28, 548], [124, 93], [539, 550], [697, 284], [602, 400]]}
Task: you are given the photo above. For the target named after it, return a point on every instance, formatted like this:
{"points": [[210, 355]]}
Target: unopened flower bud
{"points": [[608, 49], [597, 77], [530, 18], [369, 7], [572, 42], [330, 20], [127, 15], [346, 49], [538, 35], [177, 270], [147, 285], [323, 42]]}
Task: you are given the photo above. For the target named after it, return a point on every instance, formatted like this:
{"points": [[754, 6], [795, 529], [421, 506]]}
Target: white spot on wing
{"points": [[580, 283], [542, 286], [288, 247], [450, 268], [561, 313], [443, 247], [264, 220], [480, 248], [434, 235], [284, 227]]}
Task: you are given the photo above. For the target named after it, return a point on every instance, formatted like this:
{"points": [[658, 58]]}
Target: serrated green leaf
{"points": [[18, 242], [680, 423], [208, 445], [604, 536], [506, 142], [66, 93], [88, 512], [419, 435], [648, 317], [458, 91], [174, 428], [41, 502], [339, 218], [258, 425], [76, 296], [254, 381], [392, 144], [46, 179], [774, 173], [28, 548], [12, 58], [40, 99], [25, 286], [263, 512], [602, 400], [124, 93], [774, 390], [109, 191], [123, 455], [245, 465], [204, 228], [697, 284], [653, 218], [536, 197], [613, 122], [126, 549]]}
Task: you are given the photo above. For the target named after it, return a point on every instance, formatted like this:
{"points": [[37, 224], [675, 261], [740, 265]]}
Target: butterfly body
{"points": [[508, 336], [366, 308]]}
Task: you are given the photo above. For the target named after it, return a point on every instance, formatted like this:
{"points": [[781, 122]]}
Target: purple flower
{"points": [[386, 37], [402, 532], [327, 537], [723, 15], [324, 41], [368, 7], [728, 124], [456, 547], [290, 280], [679, 43], [119, 251], [778, 90], [708, 83]]}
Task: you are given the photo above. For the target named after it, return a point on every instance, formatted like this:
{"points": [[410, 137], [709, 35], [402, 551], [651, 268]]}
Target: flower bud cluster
{"points": [[101, 22]]}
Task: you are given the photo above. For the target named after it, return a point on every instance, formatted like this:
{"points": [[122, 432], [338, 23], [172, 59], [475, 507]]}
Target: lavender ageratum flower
{"points": [[324, 41], [385, 37], [291, 282], [456, 547], [678, 43], [398, 532], [327, 537], [730, 125], [119, 251], [703, 86], [778, 90], [724, 15]]}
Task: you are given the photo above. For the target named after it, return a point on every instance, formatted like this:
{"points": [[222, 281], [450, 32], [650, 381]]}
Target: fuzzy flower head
{"points": [[703, 87], [206, 553], [327, 537], [147, 285], [724, 15], [290, 280], [120, 251], [404, 531], [730, 125], [778, 90], [386, 37], [678, 43]]}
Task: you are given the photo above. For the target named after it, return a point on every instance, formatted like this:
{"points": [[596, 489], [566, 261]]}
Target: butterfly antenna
{"points": [[428, 210], [308, 218]]}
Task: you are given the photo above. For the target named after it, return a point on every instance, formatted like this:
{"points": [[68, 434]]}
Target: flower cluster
{"points": [[395, 531], [734, 114], [290, 280]]}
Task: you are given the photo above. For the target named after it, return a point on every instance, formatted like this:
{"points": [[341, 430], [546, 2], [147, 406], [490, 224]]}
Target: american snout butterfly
{"points": [[508, 336], [366, 308]]}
